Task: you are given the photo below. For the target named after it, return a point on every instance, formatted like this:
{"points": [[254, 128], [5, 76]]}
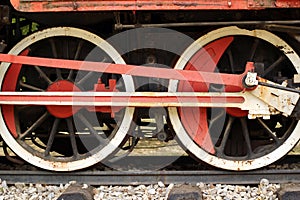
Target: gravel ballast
{"points": [[159, 191]]}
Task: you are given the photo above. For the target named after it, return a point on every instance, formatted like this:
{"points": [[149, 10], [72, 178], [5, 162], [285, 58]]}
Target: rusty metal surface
{"points": [[261, 3], [108, 5], [152, 177], [287, 3], [183, 170]]}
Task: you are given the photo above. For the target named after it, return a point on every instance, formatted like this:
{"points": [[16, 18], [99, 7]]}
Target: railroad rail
{"points": [[151, 177], [279, 174]]}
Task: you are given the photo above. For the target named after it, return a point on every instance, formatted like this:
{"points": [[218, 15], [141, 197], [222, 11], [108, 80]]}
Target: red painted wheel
{"points": [[63, 138], [224, 137]]}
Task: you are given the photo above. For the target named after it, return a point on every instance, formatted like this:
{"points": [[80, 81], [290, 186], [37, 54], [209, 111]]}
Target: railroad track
{"points": [[151, 177], [171, 174]]}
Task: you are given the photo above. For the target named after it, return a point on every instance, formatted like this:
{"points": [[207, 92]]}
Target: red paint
{"points": [[62, 111], [100, 87], [9, 84], [134, 70], [136, 5], [195, 120]]}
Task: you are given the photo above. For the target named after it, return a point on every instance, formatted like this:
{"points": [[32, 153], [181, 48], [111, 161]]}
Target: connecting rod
{"points": [[259, 100], [134, 70]]}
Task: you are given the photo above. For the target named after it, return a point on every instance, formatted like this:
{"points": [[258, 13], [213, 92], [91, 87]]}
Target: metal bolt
{"points": [[229, 3]]}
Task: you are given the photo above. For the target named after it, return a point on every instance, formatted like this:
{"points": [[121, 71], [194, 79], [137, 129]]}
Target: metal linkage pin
{"points": [[250, 79]]}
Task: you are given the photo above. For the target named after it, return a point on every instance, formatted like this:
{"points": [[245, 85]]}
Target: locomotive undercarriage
{"points": [[228, 95]]}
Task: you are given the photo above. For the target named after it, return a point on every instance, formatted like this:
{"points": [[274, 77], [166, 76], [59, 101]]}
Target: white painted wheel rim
{"points": [[188, 142]]}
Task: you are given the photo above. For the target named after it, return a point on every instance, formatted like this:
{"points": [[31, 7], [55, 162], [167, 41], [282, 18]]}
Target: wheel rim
{"points": [[55, 122], [213, 147]]}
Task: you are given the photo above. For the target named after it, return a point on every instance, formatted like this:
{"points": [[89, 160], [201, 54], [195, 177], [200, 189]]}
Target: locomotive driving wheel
{"points": [[63, 138], [225, 137]]}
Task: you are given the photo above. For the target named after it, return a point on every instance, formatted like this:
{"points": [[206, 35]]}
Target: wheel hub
{"points": [[62, 111]]}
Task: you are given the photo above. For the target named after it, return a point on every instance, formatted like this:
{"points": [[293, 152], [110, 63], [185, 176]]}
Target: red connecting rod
{"points": [[134, 70]]}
